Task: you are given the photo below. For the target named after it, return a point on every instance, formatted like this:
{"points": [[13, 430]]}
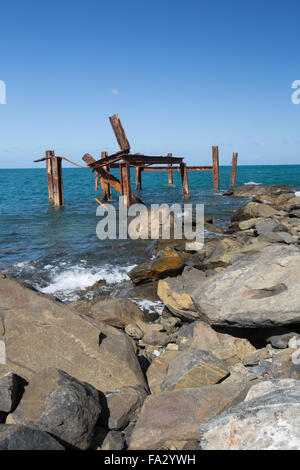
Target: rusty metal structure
{"points": [[124, 160]]}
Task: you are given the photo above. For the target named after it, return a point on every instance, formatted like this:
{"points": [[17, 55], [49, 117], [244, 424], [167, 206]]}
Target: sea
{"points": [[56, 249]]}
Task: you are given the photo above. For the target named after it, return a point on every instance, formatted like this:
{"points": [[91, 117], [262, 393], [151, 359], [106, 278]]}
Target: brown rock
{"points": [[176, 415], [255, 209], [40, 332], [118, 312], [158, 370], [167, 263]]}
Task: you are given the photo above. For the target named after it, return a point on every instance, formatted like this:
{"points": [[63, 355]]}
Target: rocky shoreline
{"points": [[104, 375]]}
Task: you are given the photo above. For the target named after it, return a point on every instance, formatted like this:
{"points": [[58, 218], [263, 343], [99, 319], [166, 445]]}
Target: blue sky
{"points": [[182, 75]]}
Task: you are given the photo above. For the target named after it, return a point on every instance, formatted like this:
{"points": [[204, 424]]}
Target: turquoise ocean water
{"points": [[57, 250]]}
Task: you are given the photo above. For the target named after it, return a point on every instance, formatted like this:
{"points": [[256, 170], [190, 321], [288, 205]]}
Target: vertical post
{"points": [[215, 162], [121, 178], [184, 181], [58, 193], [138, 178], [170, 173], [106, 186], [49, 153], [126, 182], [233, 169]]}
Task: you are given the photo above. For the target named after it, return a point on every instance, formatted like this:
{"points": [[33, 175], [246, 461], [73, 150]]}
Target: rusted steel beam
{"points": [[119, 132], [233, 169], [215, 160], [184, 181]]}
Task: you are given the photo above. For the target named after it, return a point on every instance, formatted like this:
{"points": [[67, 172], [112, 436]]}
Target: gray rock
{"points": [[281, 341], [269, 225], [255, 209], [57, 403], [14, 437], [268, 419], [9, 391], [259, 290], [113, 441], [278, 237]]}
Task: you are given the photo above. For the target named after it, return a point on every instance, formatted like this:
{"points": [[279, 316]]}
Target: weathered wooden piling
{"points": [[138, 178], [54, 178], [233, 169], [170, 172], [184, 181], [215, 162], [106, 188]]}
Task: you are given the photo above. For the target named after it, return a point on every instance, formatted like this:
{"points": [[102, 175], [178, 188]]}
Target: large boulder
{"points": [[268, 419], [255, 209], [10, 390], [14, 437], [167, 263], [259, 290], [57, 403], [251, 190], [157, 370], [176, 415], [41, 332]]}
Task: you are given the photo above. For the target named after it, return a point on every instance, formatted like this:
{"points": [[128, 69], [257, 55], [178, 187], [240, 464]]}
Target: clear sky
{"points": [[182, 75]]}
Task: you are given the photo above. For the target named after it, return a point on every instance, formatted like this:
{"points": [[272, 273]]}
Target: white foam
{"points": [[252, 182], [150, 306], [297, 193], [66, 283]]}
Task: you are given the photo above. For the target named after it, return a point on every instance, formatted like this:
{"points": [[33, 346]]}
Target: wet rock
{"points": [[14, 437], [194, 368], [259, 290], [40, 332], [167, 263], [122, 406], [251, 190], [118, 312], [268, 419], [57, 403], [176, 415]]}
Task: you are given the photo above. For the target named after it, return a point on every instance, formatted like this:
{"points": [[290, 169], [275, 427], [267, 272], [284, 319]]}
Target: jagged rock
{"points": [[113, 441], [167, 263], [224, 346], [59, 404], [255, 209], [176, 415], [259, 290], [41, 332], [278, 237], [169, 323], [14, 437], [118, 312], [157, 370], [268, 419], [10, 385], [175, 293], [122, 406], [194, 368], [134, 331], [251, 190], [155, 338]]}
